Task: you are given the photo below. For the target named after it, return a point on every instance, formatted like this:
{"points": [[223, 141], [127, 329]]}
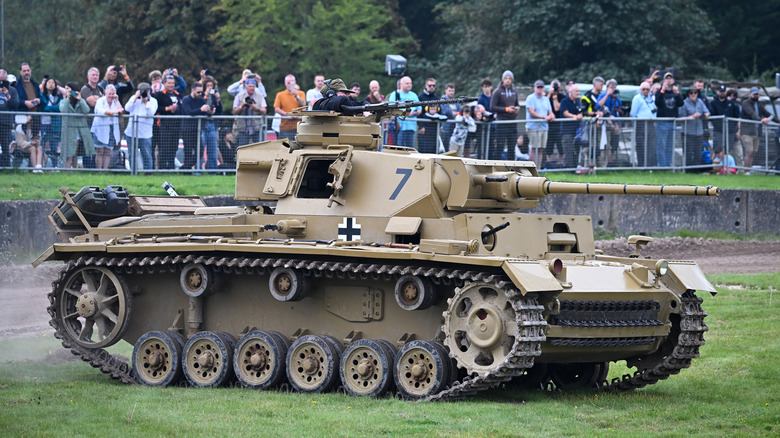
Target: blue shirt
{"points": [[542, 107], [642, 107], [405, 123]]}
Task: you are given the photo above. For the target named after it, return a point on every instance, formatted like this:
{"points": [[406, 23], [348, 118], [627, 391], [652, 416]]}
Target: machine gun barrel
{"points": [[388, 107]]}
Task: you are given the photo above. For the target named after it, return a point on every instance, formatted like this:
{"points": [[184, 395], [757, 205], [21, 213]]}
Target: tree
{"points": [[572, 39], [343, 38]]}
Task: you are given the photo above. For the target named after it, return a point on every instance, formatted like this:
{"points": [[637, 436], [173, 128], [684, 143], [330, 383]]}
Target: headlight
{"points": [[661, 267]]}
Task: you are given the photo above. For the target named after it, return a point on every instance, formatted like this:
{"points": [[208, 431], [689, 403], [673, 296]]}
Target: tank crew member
{"points": [[337, 97]]}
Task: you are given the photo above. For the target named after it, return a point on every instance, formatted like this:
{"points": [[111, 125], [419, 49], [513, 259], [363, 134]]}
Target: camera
{"points": [[144, 94], [212, 91], [556, 88], [248, 101], [251, 76]]}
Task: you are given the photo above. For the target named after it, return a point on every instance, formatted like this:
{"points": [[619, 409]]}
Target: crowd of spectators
{"points": [[560, 123]]}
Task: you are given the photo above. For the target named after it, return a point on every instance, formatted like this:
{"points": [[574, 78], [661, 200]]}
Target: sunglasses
{"points": [[540, 86], [170, 77], [431, 85]]}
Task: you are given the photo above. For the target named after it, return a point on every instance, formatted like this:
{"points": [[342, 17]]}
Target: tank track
{"points": [[529, 312], [685, 348], [528, 316]]}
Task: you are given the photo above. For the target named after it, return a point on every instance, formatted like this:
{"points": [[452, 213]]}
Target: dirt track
{"points": [[23, 289]]}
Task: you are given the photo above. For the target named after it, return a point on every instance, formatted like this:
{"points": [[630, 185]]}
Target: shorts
{"points": [[750, 143], [537, 138]]}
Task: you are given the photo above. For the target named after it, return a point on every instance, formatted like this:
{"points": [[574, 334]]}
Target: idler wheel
{"points": [[157, 359], [414, 293], [197, 280], [367, 368], [480, 327], [312, 364], [208, 359], [260, 357], [421, 369], [93, 297], [287, 284]]}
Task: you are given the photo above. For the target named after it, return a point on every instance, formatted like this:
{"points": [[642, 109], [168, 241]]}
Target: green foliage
{"points": [[343, 38], [572, 39]]}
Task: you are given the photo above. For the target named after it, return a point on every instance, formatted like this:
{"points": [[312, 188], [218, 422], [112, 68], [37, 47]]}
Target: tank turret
{"points": [[371, 268]]}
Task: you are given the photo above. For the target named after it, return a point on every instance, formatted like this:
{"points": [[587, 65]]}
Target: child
{"points": [[463, 125], [520, 146], [717, 162]]}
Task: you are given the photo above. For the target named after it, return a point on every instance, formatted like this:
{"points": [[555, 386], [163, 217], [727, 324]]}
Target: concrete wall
{"points": [[24, 231]]}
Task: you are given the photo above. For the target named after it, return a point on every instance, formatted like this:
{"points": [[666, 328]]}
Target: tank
{"points": [[373, 268]]}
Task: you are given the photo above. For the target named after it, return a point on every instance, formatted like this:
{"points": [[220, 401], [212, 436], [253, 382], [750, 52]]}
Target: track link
{"points": [[529, 315]]}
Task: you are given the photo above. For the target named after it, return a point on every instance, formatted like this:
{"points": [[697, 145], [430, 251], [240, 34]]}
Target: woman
{"points": [[105, 127], [693, 110], [74, 127], [28, 142], [209, 134], [51, 126]]}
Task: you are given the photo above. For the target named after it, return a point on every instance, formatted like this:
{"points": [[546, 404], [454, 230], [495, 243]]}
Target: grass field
{"points": [[732, 390], [23, 185]]}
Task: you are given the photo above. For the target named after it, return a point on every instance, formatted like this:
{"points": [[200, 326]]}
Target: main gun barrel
{"points": [[505, 186]]}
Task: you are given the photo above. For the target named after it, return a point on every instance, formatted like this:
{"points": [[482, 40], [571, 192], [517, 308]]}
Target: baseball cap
{"points": [[721, 87], [754, 90], [539, 83], [144, 86], [668, 75]]}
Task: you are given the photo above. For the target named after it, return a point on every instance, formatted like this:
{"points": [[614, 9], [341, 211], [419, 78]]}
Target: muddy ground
{"points": [[24, 289]]}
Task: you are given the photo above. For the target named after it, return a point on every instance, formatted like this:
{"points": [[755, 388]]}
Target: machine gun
{"points": [[386, 109]]}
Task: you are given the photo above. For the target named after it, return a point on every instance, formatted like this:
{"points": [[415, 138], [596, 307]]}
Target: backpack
{"points": [[117, 160]]}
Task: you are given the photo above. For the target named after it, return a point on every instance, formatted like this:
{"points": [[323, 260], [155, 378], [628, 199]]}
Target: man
{"points": [[355, 88], [668, 101], [429, 93], [9, 101], [451, 110], [249, 102], [643, 107], [505, 105], [141, 106], [181, 84], [751, 132], [694, 110], [192, 105], [407, 127], [698, 84], [487, 93], [538, 113], [611, 106], [374, 93], [555, 96], [286, 101], [314, 94], [571, 110], [238, 87], [90, 93], [721, 106], [168, 103], [29, 97], [122, 88], [338, 102]]}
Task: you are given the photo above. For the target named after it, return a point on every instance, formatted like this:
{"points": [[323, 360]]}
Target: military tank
{"points": [[368, 267]]}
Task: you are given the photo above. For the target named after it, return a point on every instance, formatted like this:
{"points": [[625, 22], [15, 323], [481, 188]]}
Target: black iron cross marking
{"points": [[349, 229]]}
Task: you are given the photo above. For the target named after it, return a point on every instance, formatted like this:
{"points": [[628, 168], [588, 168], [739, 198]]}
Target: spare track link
{"points": [[686, 348], [529, 312]]}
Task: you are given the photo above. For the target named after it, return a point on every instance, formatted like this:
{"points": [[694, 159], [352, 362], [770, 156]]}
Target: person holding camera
{"points": [[239, 87], [75, 127], [612, 106], [668, 102], [142, 107], [209, 132], [643, 107], [123, 89], [249, 102]]}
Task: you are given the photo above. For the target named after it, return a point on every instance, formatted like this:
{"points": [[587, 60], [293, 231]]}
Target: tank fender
{"points": [[531, 276], [690, 276]]}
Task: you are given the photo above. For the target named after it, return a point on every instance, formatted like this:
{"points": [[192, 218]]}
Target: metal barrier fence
{"points": [[207, 144]]}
